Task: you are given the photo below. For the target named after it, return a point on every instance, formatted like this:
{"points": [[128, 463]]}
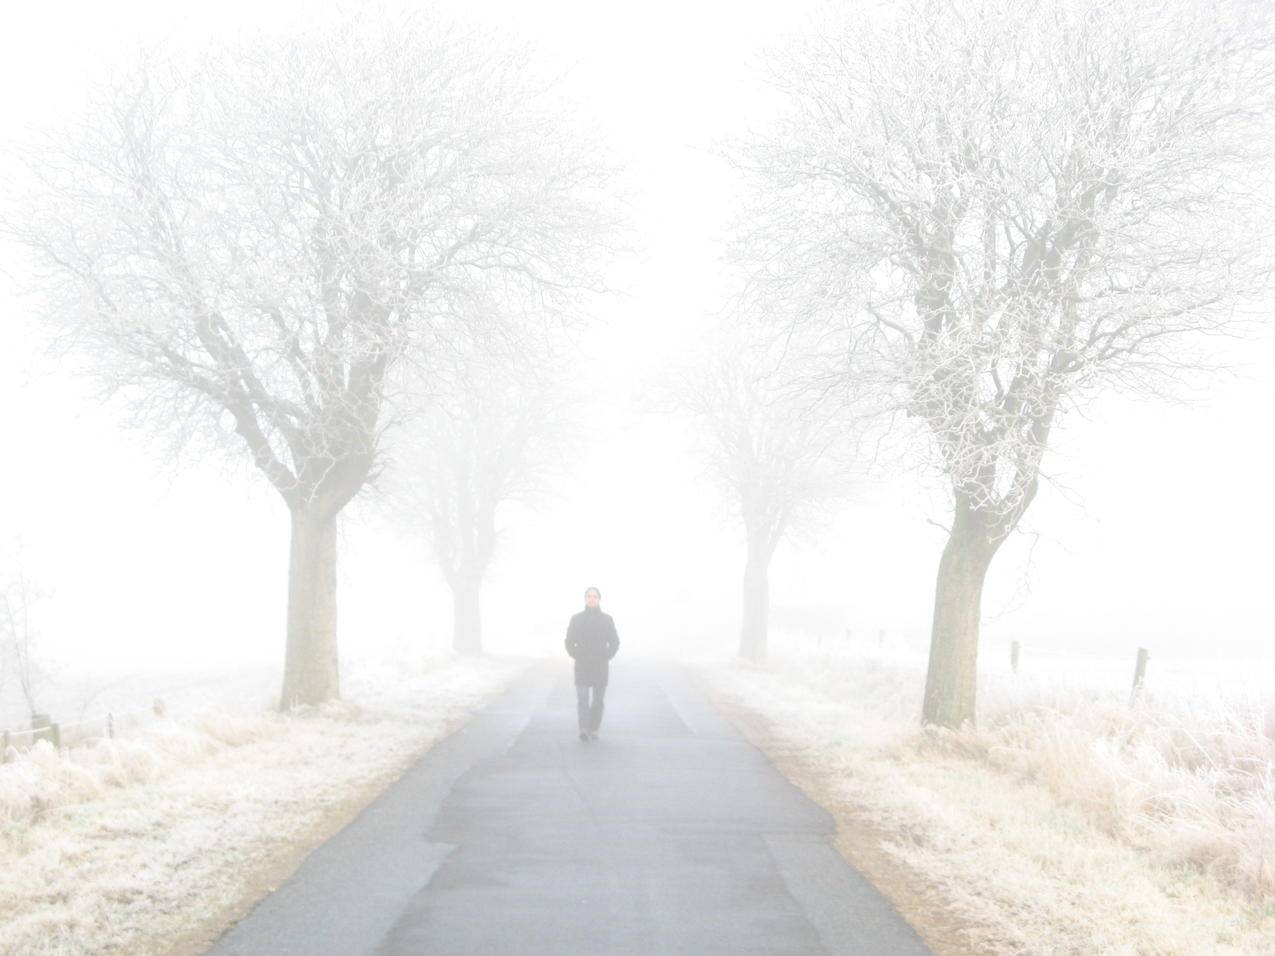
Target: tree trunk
{"points": [[952, 679], [467, 625], [310, 668], [752, 643]]}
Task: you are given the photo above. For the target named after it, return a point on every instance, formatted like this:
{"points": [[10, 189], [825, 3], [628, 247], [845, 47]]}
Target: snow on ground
{"points": [[1067, 822], [150, 843]]}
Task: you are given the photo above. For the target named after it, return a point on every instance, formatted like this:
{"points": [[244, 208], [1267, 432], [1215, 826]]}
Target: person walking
{"points": [[591, 641]]}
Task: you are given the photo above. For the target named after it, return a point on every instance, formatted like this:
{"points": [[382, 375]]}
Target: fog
{"points": [[1153, 530], [897, 373]]}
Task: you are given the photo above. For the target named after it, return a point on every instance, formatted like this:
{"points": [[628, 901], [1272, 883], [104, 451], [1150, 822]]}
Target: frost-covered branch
{"points": [[244, 245], [1014, 203], [1003, 207]]}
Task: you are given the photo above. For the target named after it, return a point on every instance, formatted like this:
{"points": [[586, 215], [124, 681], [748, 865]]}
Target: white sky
{"points": [[1163, 539]]}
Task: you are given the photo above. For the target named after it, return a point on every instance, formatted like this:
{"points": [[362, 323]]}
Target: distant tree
{"points": [[781, 455], [19, 637], [1001, 207], [244, 248], [489, 436]]}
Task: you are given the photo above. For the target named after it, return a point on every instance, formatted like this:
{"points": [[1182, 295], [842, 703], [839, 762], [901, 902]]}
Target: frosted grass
{"points": [[1067, 821], [131, 846]]}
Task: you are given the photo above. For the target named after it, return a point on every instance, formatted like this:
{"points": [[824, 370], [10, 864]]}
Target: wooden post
{"points": [[40, 728], [1139, 675], [55, 736], [4, 753], [110, 726], [1013, 656]]}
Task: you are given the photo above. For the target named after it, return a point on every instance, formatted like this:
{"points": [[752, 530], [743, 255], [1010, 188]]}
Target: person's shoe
{"points": [[584, 735], [593, 735]]}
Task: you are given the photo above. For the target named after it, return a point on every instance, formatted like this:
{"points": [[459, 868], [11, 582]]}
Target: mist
{"points": [[128, 542], [163, 571]]}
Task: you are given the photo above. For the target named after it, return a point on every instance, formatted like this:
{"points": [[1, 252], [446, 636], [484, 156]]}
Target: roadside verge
{"points": [[977, 859], [155, 847]]}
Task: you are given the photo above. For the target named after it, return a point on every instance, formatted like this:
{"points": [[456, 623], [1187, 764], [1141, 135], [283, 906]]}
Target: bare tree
{"points": [[490, 436], [19, 636], [780, 454], [245, 246], [1002, 207]]}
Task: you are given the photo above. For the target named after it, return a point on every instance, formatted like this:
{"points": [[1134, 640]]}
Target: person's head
{"points": [[592, 597]]}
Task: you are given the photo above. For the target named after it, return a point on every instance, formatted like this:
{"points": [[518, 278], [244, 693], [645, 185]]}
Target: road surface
{"points": [[669, 835]]}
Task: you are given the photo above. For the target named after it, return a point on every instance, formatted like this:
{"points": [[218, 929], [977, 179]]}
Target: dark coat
{"points": [[592, 642]]}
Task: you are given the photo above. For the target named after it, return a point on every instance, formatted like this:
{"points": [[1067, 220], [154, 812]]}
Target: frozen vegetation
{"points": [[371, 261], [1067, 821], [151, 842]]}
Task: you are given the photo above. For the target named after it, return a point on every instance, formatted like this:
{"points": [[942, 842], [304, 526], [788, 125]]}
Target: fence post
{"points": [[55, 736], [1013, 656], [1139, 675], [881, 638], [110, 726], [40, 727], [4, 754]]}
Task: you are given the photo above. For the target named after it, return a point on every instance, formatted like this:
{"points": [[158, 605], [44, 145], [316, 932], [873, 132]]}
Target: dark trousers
{"points": [[590, 713]]}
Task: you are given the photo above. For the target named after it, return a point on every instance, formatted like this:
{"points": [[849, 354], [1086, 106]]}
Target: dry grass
{"points": [[41, 779], [128, 846], [1186, 778], [1067, 822]]}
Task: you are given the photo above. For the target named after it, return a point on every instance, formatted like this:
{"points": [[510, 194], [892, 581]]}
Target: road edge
{"points": [[858, 837], [263, 881]]}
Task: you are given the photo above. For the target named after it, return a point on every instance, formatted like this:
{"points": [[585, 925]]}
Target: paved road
{"points": [[671, 834]]}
